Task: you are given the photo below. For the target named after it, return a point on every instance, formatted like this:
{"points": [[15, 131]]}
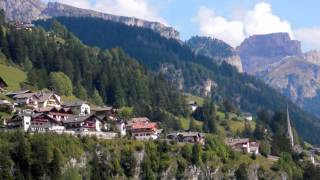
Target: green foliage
{"points": [[197, 155], [96, 98], [287, 164], [60, 83], [265, 148], [241, 173], [311, 172], [146, 171]]}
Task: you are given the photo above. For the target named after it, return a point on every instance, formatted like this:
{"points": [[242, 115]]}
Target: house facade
{"points": [[34, 122], [187, 137], [59, 114], [38, 100], [83, 123], [143, 129]]}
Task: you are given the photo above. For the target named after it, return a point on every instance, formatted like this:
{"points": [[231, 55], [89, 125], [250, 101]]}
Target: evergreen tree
{"points": [[56, 165], [197, 154], [209, 115], [146, 170], [241, 173], [96, 98], [61, 83]]}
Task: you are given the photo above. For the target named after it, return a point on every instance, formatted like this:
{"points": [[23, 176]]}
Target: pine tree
{"points": [[56, 165]]}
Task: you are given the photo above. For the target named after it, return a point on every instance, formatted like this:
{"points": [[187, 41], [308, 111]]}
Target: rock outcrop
{"points": [[30, 10], [258, 52], [215, 49]]}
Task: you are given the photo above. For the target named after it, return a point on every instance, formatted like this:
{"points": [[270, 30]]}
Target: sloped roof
{"points": [[75, 103], [77, 118], [23, 95], [102, 108]]}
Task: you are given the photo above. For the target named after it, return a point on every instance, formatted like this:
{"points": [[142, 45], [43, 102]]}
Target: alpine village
{"points": [[87, 95]]}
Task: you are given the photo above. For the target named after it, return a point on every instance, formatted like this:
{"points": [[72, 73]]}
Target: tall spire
{"points": [[289, 129]]}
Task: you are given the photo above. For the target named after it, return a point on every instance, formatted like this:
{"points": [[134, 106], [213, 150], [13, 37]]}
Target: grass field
{"points": [[12, 76], [186, 122]]}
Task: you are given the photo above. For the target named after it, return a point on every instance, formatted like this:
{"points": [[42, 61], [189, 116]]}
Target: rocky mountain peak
{"points": [[30, 10], [270, 45], [259, 51]]}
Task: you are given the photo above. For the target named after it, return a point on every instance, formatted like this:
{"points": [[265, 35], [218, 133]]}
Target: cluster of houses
{"points": [[243, 145], [38, 112]]}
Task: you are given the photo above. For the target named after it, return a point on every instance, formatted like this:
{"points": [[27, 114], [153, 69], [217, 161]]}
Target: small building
{"points": [[105, 112], [248, 116], [19, 121], [38, 100], [243, 144], [83, 123], [79, 107], [193, 105], [3, 84], [187, 137], [143, 129]]}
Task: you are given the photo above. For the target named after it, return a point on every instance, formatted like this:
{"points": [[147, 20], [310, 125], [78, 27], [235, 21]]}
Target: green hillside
{"points": [[13, 76]]}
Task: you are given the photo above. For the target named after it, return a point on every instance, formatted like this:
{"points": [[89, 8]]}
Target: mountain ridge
{"points": [[30, 10]]}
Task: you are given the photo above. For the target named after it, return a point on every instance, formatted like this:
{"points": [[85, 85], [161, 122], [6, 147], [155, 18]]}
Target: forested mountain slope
{"points": [[102, 77], [192, 73]]}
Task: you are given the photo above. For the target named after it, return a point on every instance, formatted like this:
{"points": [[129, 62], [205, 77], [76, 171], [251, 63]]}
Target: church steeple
{"points": [[289, 129]]}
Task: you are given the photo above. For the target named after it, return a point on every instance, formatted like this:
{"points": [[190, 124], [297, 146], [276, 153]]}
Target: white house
{"points": [[80, 107], [143, 129]]}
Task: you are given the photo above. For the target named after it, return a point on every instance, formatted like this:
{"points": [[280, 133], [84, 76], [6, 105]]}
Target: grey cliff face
{"points": [[215, 49], [280, 62], [30, 10], [22, 10], [259, 51]]}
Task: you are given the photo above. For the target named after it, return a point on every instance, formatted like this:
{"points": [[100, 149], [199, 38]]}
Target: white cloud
{"points": [[218, 27], [259, 20], [132, 8], [309, 36]]}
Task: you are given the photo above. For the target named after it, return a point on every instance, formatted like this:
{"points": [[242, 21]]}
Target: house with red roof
{"points": [[142, 128]]}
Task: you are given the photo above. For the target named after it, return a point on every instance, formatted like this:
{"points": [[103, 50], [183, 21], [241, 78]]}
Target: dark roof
{"points": [[78, 118], [102, 109], [75, 103], [18, 92]]}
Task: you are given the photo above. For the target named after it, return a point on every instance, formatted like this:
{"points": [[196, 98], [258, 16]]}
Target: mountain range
{"points": [[30, 10]]}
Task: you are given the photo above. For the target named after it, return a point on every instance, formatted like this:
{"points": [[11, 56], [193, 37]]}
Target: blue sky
{"points": [[229, 20]]}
